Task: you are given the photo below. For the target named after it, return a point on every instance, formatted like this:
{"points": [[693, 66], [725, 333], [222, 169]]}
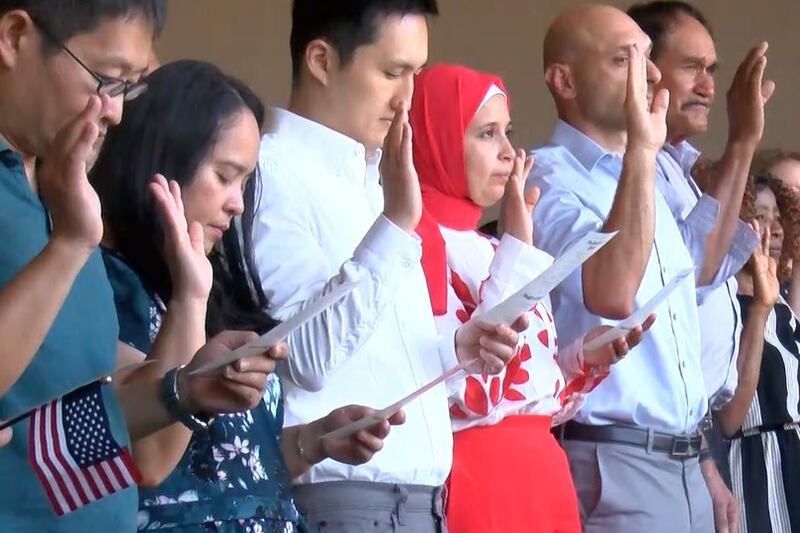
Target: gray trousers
{"points": [[625, 489], [357, 507]]}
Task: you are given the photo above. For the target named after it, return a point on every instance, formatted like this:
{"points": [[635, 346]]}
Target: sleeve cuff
{"points": [[388, 251], [570, 359], [447, 350], [744, 243], [516, 262], [704, 215]]}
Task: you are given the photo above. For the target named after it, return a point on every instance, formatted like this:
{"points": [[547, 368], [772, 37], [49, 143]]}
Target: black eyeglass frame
{"points": [[106, 85]]}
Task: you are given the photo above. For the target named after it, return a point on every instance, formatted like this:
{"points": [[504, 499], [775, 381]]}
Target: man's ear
{"points": [[16, 29], [559, 79], [321, 59]]}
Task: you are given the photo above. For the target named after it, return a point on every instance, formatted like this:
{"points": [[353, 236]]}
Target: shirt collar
{"points": [[684, 154], [334, 148], [583, 148]]}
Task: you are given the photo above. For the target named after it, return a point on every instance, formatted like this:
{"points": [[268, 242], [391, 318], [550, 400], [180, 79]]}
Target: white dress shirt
{"points": [[720, 316], [659, 384], [319, 224]]}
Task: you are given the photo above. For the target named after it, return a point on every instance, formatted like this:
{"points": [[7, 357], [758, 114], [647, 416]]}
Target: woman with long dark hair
{"points": [[201, 128]]}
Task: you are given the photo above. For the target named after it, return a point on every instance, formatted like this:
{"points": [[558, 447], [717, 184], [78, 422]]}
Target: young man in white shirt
{"points": [[327, 218]]}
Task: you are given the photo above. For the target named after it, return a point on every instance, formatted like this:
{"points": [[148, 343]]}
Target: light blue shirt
{"points": [[720, 316], [660, 383]]}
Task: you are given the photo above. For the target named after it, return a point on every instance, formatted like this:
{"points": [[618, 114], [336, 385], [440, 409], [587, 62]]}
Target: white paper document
{"points": [[639, 316], [279, 332], [386, 412], [507, 311]]}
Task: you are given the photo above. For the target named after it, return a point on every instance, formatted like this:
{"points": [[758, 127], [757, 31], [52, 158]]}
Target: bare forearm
{"points": [[142, 407], [611, 278], [29, 304], [748, 363], [181, 334], [309, 440], [727, 188]]}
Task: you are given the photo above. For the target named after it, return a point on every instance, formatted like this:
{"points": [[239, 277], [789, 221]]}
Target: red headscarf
{"points": [[446, 98]]}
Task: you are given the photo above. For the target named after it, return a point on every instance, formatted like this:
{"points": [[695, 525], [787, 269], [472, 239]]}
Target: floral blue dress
{"points": [[232, 477]]}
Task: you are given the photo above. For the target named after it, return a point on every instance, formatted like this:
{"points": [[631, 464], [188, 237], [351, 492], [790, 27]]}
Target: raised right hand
{"points": [[73, 204], [401, 195], [646, 123], [747, 97], [189, 268], [764, 268]]}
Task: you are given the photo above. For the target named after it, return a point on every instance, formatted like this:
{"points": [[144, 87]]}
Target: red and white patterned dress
{"points": [[509, 474]]}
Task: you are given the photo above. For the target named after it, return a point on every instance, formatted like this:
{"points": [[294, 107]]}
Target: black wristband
{"points": [[172, 402], [704, 455]]}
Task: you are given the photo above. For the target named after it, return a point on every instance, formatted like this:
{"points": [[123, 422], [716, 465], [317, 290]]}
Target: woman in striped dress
{"points": [[762, 418]]}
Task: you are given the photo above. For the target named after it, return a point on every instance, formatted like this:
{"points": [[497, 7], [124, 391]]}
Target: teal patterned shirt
{"points": [[232, 477]]}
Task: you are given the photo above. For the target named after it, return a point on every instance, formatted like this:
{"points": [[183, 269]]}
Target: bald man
{"points": [[633, 446]]}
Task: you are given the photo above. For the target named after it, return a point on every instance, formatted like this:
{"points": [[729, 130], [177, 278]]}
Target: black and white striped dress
{"points": [[765, 455]]}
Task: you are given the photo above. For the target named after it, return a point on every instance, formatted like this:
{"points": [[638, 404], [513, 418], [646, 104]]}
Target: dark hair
{"points": [[657, 18], [67, 18], [170, 129], [345, 24]]}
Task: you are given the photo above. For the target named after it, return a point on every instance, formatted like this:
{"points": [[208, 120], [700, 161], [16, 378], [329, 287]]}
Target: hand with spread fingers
{"points": [[401, 193], [73, 204], [748, 96], [190, 269], [240, 386], [616, 350], [518, 204]]}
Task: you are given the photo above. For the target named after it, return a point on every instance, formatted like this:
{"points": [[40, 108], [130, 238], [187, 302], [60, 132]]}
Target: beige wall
{"points": [[250, 38]]}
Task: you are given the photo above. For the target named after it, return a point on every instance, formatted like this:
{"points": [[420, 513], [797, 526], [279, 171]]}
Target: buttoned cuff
{"points": [[704, 214], [744, 243], [387, 251]]}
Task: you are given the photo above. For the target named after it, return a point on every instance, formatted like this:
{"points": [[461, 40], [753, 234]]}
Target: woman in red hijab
{"points": [[509, 474]]}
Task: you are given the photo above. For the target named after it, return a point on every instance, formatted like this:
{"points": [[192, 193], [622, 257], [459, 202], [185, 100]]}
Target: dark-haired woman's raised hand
{"points": [[764, 268], [190, 270]]}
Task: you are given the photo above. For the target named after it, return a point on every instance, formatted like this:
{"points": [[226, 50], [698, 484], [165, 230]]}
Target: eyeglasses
{"points": [[106, 85]]}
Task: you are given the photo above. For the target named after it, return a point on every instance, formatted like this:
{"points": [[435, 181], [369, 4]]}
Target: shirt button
{"points": [[674, 316], [406, 263]]}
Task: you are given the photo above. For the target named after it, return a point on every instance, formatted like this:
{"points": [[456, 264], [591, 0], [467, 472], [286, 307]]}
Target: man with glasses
{"points": [[66, 68], [106, 85]]}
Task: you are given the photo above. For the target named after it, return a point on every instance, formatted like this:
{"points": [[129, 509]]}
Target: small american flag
{"points": [[73, 452]]}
